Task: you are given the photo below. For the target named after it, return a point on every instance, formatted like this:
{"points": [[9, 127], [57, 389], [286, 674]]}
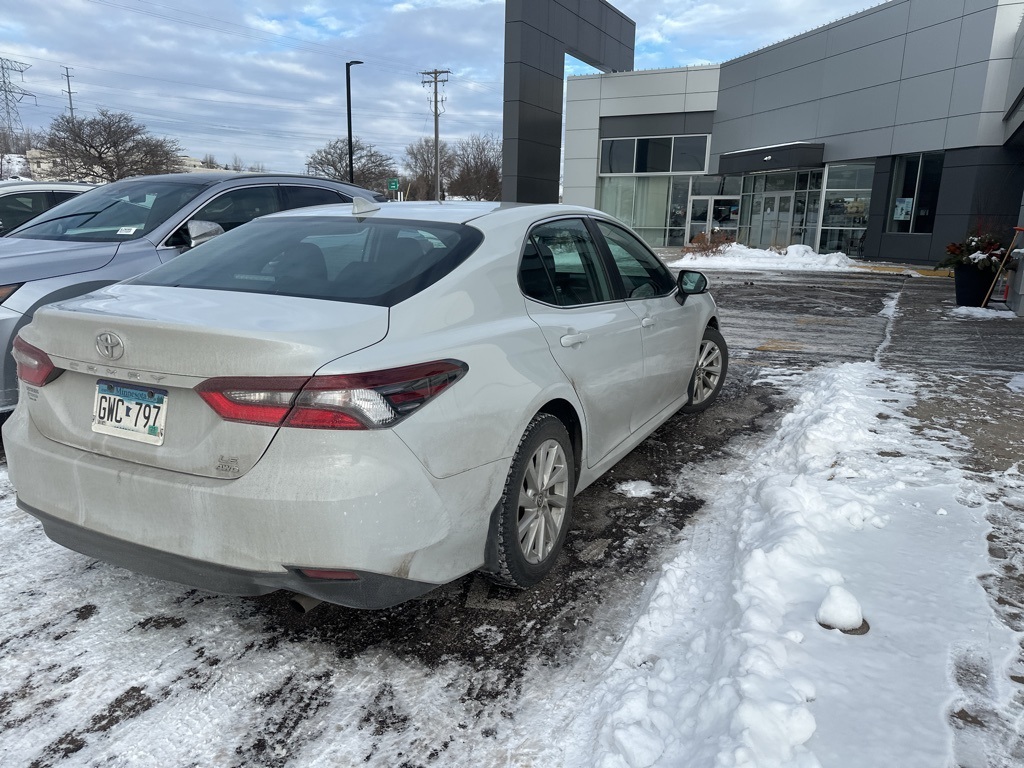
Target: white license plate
{"points": [[130, 411]]}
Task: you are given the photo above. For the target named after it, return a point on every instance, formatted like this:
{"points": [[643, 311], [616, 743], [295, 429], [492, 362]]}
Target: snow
{"points": [[795, 257], [849, 514], [977, 313]]}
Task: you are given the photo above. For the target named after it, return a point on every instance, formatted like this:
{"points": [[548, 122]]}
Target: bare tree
{"points": [[257, 168], [237, 163], [209, 161], [107, 147], [371, 168], [477, 172], [419, 164]]}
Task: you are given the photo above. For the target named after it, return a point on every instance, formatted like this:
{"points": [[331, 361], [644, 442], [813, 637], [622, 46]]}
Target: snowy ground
{"points": [[858, 507]]}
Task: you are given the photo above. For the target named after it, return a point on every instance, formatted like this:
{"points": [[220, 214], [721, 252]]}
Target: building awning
{"points": [[796, 154]]}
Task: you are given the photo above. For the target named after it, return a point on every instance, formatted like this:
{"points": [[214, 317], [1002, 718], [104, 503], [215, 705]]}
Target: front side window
{"points": [[561, 265], [124, 210], [642, 273], [237, 206]]}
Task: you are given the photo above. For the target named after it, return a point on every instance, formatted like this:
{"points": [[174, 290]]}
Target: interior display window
{"points": [[914, 193]]}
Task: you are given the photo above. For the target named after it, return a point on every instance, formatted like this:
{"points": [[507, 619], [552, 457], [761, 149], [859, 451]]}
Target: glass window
{"points": [[617, 196], [303, 197], [748, 184], [846, 209], [725, 212], [124, 210], [779, 182], [689, 154], [852, 176], [914, 193], [642, 273], [617, 155], [652, 194], [654, 155], [238, 206], [678, 206], [570, 257], [379, 262], [18, 208]]}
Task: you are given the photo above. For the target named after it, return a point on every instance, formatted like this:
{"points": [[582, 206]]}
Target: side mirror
{"points": [[690, 282], [198, 232]]}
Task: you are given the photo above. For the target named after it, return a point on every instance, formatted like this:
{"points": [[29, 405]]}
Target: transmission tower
{"points": [[433, 77], [10, 95]]}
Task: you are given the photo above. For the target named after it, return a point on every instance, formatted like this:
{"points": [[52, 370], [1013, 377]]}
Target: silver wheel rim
{"points": [[708, 372], [542, 501]]}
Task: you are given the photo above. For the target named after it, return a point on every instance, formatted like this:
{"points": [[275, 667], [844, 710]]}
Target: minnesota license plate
{"points": [[130, 411]]}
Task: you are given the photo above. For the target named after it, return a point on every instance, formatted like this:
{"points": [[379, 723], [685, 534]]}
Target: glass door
{"points": [[776, 220]]}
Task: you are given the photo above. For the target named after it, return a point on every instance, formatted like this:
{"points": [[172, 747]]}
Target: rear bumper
{"points": [[371, 508], [372, 590]]}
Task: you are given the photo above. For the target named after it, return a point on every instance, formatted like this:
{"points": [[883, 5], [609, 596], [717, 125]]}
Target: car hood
{"points": [[23, 260]]}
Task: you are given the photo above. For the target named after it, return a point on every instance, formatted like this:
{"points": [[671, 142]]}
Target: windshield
{"points": [[380, 262], [124, 210]]}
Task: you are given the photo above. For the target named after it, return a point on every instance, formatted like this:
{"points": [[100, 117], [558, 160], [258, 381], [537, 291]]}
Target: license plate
{"points": [[129, 411]]}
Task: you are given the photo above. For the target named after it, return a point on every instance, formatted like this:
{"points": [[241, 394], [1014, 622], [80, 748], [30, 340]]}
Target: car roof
{"points": [[451, 212], [212, 177], [43, 186]]}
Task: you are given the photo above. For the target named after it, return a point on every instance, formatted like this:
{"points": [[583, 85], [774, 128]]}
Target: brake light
{"points": [[33, 365], [373, 400]]}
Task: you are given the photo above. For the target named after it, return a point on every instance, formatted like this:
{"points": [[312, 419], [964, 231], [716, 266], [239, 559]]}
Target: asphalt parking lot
{"points": [[771, 321]]}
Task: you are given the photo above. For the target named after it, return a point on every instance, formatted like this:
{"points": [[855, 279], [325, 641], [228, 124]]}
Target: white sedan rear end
{"points": [[356, 405]]}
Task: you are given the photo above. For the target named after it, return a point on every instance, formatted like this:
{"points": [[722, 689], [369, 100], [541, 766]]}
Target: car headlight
{"points": [[6, 291]]}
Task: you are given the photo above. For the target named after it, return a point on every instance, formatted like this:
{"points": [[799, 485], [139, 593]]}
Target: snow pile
{"points": [[736, 256], [977, 313], [728, 664]]}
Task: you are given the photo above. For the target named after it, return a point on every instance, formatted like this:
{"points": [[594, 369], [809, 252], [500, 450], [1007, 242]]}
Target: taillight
{"points": [[6, 291], [373, 400], [33, 365]]}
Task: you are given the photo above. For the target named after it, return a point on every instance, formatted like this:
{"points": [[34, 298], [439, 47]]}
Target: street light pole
{"points": [[348, 108]]}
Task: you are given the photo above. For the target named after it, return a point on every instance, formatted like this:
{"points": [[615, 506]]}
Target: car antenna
{"points": [[360, 206]]}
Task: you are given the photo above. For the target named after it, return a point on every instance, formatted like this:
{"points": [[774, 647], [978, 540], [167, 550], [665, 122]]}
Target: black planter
{"points": [[971, 285]]}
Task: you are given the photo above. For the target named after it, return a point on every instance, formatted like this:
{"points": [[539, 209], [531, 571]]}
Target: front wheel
{"points": [[709, 374], [535, 511]]}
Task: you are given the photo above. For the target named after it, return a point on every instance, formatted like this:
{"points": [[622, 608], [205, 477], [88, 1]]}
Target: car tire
{"points": [[709, 373], [535, 511]]}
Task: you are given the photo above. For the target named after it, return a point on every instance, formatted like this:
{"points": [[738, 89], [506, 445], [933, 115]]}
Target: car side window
{"points": [[16, 209], [561, 265], [238, 206], [642, 273], [303, 197], [60, 197]]}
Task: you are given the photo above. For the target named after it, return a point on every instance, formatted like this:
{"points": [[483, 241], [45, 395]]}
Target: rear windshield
{"points": [[124, 210], [338, 259]]}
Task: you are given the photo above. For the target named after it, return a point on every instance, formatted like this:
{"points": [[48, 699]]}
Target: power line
{"points": [[436, 77]]}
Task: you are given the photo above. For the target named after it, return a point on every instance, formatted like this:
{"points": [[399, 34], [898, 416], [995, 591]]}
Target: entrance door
{"points": [[776, 220]]}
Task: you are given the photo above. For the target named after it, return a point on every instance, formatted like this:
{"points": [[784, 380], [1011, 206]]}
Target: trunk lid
{"points": [[168, 341]]}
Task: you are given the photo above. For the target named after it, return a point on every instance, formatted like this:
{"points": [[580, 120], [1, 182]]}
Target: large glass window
{"points": [[844, 218], [915, 192], [659, 154], [617, 197]]}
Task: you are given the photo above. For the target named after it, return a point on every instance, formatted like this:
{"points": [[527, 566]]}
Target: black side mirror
{"points": [[690, 282]]}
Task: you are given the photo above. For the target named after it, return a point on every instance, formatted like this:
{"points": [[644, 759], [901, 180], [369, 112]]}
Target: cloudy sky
{"points": [[264, 80]]}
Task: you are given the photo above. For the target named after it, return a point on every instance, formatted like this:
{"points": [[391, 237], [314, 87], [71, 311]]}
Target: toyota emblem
{"points": [[109, 345]]}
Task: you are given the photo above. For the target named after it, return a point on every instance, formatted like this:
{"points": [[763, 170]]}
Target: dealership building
{"points": [[885, 135]]}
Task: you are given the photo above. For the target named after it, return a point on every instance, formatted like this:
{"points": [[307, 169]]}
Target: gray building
{"points": [[887, 134]]}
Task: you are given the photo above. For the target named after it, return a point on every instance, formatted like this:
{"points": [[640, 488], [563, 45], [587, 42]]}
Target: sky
{"points": [[264, 81]]}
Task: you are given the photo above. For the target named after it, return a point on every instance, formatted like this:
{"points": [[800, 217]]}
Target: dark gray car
{"points": [[122, 229]]}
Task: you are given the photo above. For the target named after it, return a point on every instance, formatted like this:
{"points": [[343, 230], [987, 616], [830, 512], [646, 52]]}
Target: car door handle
{"points": [[572, 338], [647, 322]]}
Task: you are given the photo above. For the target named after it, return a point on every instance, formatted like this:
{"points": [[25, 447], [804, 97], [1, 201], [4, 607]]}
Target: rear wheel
{"points": [[709, 375], [535, 511]]}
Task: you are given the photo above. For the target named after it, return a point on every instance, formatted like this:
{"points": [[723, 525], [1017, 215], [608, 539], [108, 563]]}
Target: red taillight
{"points": [[371, 400], [34, 366]]}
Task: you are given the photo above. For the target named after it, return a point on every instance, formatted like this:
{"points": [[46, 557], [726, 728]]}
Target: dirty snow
{"points": [[736, 256], [977, 313], [637, 489]]}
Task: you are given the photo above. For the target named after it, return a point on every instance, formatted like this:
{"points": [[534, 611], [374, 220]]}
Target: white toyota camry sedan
{"points": [[356, 403]]}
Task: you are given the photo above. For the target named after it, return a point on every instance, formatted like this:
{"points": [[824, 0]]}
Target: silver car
{"points": [[122, 229], [356, 403]]}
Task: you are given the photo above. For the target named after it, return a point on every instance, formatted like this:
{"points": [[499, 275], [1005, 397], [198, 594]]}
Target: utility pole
{"points": [[71, 104], [10, 95], [434, 77]]}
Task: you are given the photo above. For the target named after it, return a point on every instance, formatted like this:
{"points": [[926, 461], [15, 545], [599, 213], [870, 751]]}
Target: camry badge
{"points": [[109, 345]]}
